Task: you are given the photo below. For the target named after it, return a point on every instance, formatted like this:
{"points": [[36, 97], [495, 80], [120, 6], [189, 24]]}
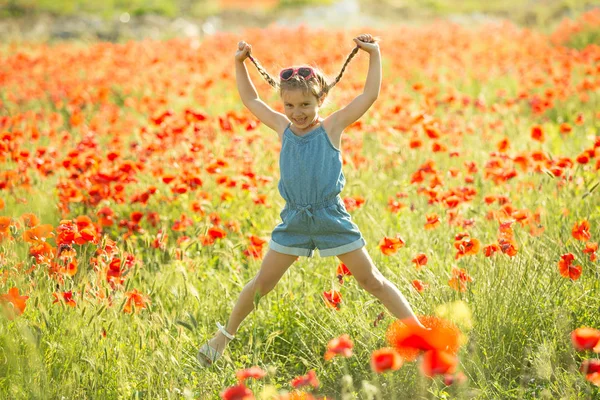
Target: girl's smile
{"points": [[301, 108]]}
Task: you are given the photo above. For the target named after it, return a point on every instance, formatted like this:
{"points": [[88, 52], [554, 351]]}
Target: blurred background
{"points": [[123, 20]]}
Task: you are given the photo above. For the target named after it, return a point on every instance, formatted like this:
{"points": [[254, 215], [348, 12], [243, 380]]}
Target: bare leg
{"points": [[273, 267], [369, 278]]}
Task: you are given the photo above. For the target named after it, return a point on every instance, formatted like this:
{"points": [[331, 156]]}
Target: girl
{"points": [[311, 180]]}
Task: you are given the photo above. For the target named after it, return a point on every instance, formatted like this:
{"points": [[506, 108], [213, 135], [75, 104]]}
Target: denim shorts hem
{"points": [[335, 251], [292, 251]]}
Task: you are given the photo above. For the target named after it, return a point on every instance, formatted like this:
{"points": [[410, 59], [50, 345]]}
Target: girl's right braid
{"points": [[337, 79], [264, 73]]}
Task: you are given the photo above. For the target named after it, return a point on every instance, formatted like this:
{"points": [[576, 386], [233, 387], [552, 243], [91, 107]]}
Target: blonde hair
{"points": [[318, 85]]}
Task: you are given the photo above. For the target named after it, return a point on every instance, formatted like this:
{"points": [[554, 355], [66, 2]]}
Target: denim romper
{"points": [[314, 215]]}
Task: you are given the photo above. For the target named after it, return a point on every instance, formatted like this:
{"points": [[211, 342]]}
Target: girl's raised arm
{"points": [[357, 107], [249, 96]]}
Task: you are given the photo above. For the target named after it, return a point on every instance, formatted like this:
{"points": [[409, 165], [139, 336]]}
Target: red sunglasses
{"points": [[305, 72]]}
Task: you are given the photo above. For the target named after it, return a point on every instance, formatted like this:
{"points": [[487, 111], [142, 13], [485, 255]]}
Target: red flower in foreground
{"points": [[409, 339], [237, 392], [253, 372], [585, 338], [436, 362], [591, 369], [309, 379], [385, 359], [339, 346]]}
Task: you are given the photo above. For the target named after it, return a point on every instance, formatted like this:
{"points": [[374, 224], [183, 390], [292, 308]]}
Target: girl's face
{"points": [[300, 107]]}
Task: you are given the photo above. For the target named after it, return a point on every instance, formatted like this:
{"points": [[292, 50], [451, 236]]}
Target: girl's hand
{"points": [[244, 50], [367, 43]]}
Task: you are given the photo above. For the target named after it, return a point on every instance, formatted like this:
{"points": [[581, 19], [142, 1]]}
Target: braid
{"points": [[264, 73], [337, 79]]}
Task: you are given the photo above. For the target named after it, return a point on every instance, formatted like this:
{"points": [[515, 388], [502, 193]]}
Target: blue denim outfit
{"points": [[314, 215]]}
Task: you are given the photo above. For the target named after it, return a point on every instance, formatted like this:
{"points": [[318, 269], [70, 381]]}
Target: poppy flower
{"points": [[566, 267], [389, 246], [17, 302], [537, 133], [433, 221], [310, 379], [467, 246], [385, 359], [591, 248], [585, 338], [237, 392], [420, 259], [409, 339], [252, 372], [438, 362], [590, 366], [420, 285], [5, 223], [134, 298], [459, 279], [581, 230], [333, 298], [67, 297], [489, 250], [342, 271], [341, 346]]}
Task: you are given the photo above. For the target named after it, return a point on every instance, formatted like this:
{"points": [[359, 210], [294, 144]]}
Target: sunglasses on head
{"points": [[305, 72]]}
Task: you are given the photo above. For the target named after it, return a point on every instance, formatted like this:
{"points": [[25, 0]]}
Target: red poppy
{"points": [[389, 246], [467, 246], [581, 230], [253, 372], [341, 346], [420, 285], [67, 297], [333, 298], [566, 267], [310, 379], [438, 362], [237, 392], [385, 359], [591, 248], [420, 259], [409, 339], [135, 298], [459, 279], [433, 221], [537, 133], [489, 250], [585, 338], [17, 302]]}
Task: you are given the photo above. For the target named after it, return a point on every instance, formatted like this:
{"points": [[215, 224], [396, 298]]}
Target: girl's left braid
{"points": [[264, 73]]}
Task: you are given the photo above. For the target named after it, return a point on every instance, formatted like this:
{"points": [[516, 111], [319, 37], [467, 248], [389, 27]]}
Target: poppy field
{"points": [[137, 197]]}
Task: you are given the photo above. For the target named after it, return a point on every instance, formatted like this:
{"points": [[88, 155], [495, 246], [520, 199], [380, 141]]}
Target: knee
{"points": [[372, 283]]}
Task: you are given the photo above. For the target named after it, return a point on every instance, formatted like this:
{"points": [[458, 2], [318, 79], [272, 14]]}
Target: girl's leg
{"points": [[273, 267], [369, 278]]}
